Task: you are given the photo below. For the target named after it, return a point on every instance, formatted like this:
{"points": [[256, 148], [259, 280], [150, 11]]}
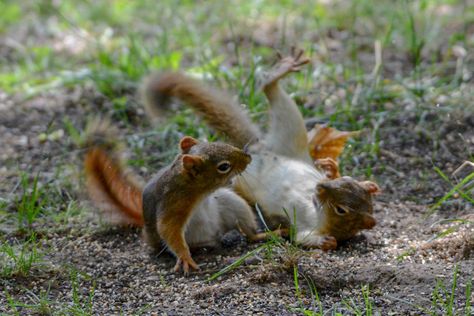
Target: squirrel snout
{"points": [[248, 157], [241, 161], [369, 222], [322, 189], [245, 159], [326, 184]]}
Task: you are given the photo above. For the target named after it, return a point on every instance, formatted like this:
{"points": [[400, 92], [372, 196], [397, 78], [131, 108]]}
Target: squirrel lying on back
{"points": [[186, 204], [281, 178]]}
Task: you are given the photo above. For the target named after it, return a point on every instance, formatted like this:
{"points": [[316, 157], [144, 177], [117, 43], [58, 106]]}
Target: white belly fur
{"points": [[206, 222], [218, 213], [297, 183]]}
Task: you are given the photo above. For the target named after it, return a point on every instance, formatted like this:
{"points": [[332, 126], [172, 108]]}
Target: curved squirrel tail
{"points": [[214, 106], [112, 191]]}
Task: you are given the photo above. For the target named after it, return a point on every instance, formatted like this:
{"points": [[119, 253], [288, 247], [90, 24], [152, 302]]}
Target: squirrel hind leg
{"points": [[279, 232], [246, 221], [152, 239], [235, 213], [287, 131], [284, 66]]}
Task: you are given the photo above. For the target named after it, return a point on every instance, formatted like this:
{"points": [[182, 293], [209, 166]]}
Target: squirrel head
{"points": [[211, 165], [347, 206]]}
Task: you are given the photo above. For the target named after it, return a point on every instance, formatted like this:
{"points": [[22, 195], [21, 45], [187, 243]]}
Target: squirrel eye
{"points": [[341, 211], [224, 167]]}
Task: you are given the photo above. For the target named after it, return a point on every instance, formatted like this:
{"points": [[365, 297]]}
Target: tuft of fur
{"points": [[215, 107], [117, 195]]}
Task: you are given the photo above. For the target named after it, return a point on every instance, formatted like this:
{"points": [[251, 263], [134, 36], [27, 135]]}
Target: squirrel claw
{"points": [[185, 263], [323, 242], [329, 166], [285, 65], [328, 243]]}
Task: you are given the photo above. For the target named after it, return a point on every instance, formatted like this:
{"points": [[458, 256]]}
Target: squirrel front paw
{"points": [[185, 262], [280, 232], [323, 242], [328, 243]]}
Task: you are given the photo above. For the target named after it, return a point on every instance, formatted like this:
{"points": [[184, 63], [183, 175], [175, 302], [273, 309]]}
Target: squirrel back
{"points": [[116, 194], [215, 107]]}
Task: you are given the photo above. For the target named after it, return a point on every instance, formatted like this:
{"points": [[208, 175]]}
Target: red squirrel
{"points": [[186, 204], [281, 178]]}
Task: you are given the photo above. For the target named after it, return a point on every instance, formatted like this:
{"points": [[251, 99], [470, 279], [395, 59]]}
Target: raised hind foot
{"points": [[285, 65], [329, 167]]}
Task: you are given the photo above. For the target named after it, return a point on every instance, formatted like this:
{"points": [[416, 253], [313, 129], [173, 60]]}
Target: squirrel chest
{"points": [[296, 185]]}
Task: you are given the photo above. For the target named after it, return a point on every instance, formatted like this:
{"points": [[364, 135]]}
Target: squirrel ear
{"points": [[191, 161], [186, 143], [370, 187]]}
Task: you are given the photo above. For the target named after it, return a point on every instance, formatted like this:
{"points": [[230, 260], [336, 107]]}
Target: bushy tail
{"points": [[113, 192], [215, 107]]}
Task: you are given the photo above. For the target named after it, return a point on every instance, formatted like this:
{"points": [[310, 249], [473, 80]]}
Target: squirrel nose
{"points": [[369, 222], [326, 184], [248, 157], [323, 186]]}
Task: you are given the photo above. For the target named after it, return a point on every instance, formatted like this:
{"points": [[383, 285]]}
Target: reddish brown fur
{"points": [[214, 106], [107, 185]]}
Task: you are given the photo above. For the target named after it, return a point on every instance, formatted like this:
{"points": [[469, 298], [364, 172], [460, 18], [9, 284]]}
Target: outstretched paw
{"points": [[328, 243], [329, 166], [322, 242], [185, 262], [280, 232], [285, 65]]}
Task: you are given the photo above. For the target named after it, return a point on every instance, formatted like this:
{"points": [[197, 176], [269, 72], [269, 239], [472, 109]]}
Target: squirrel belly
{"points": [[270, 180]]}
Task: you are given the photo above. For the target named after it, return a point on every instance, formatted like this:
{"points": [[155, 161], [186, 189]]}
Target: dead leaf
{"points": [[327, 142]]}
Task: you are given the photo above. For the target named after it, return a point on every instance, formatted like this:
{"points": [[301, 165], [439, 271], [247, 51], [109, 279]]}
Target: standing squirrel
{"points": [[282, 177], [186, 204]]}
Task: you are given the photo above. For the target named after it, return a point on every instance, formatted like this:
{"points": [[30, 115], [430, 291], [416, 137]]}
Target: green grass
{"points": [[317, 308], [118, 57], [18, 259], [355, 308], [463, 188], [31, 204], [39, 303], [359, 305], [241, 260], [59, 47], [443, 298], [44, 303], [40, 208], [81, 300]]}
